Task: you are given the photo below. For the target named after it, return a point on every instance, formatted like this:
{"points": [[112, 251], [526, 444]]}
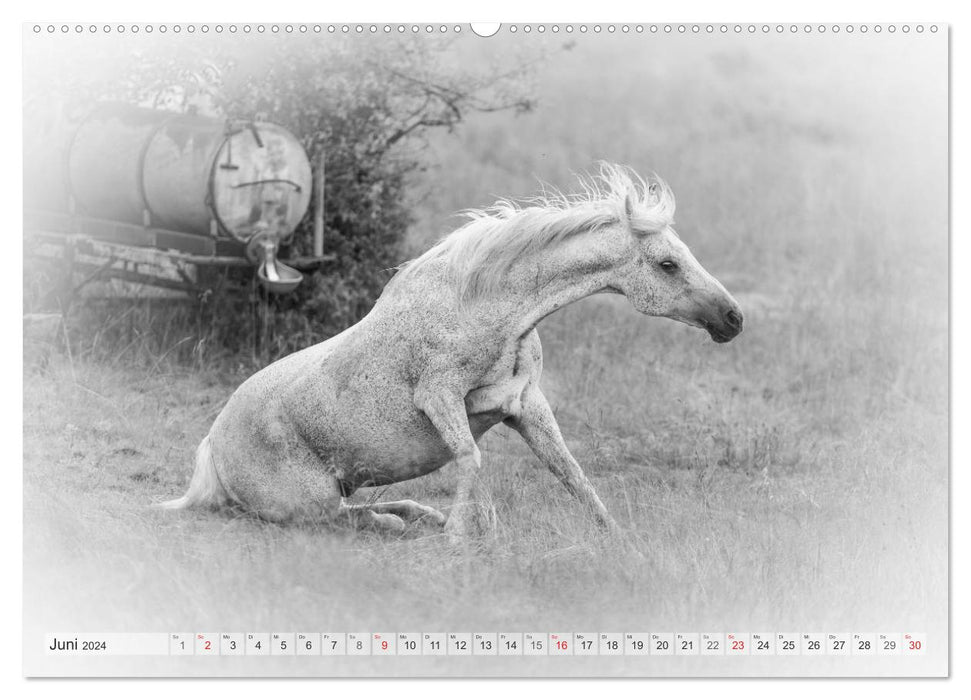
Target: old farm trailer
{"points": [[161, 198]]}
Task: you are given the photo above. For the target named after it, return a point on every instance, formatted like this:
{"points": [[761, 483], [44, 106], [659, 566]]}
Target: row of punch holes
{"points": [[486, 30]]}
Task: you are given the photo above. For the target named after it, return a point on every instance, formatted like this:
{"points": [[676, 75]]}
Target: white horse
{"points": [[449, 351]]}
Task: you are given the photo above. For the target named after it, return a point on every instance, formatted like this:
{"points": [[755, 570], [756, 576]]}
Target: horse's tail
{"points": [[205, 488]]}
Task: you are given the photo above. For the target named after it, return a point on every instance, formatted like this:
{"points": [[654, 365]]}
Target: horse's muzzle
{"points": [[725, 325]]}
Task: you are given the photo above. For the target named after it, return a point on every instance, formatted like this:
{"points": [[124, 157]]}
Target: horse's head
{"points": [[661, 277]]}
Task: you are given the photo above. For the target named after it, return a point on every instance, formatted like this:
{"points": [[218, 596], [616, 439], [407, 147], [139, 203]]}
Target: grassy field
{"points": [[795, 479]]}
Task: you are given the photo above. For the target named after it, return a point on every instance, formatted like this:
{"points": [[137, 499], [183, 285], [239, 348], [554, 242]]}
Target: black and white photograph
{"points": [[486, 350]]}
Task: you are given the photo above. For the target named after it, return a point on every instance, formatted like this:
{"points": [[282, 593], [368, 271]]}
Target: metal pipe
{"points": [[319, 206]]}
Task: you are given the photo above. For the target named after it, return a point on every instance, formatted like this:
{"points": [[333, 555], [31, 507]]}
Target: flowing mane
{"points": [[480, 253]]}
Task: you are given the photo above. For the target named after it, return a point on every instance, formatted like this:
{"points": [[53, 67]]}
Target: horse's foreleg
{"points": [[537, 424], [446, 410]]}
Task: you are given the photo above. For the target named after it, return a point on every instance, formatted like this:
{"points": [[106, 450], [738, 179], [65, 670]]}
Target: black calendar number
{"points": [[712, 645], [511, 644], [788, 645], [864, 645], [637, 644], [613, 645], [762, 645], [662, 645], [460, 645], [310, 645], [586, 644], [232, 645], [813, 645], [410, 645], [687, 645], [838, 644], [536, 644], [434, 645], [485, 645], [889, 645]]}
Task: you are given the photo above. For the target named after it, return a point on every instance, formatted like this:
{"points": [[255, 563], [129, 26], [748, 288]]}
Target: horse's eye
{"points": [[668, 265]]}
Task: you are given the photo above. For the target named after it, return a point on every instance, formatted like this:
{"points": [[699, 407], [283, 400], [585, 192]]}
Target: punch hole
{"points": [[485, 29]]}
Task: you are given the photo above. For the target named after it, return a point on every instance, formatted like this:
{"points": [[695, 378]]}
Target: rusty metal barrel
{"points": [[250, 181]]}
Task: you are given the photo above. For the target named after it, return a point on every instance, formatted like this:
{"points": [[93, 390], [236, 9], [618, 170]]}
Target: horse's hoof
{"points": [[388, 522], [433, 518], [470, 522]]}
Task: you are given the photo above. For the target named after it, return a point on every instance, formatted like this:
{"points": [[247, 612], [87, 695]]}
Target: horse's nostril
{"points": [[734, 318]]}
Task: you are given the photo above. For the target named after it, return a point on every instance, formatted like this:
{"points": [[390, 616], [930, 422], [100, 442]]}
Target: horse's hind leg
{"points": [[406, 510], [300, 492]]}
